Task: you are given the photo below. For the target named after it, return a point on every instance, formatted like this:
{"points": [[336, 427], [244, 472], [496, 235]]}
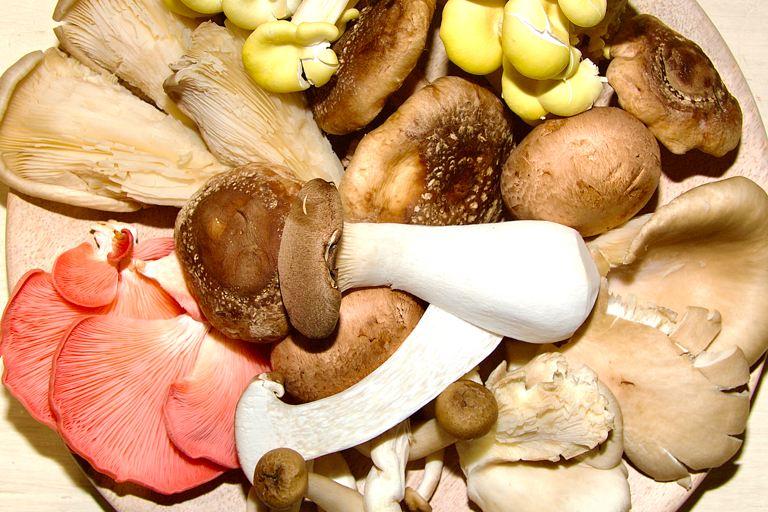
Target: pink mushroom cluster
{"points": [[110, 350]]}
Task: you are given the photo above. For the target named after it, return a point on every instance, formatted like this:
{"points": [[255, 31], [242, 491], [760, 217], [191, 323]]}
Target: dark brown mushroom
{"points": [[281, 479], [306, 261], [373, 323], [668, 83], [227, 240], [466, 410], [436, 161], [375, 54]]}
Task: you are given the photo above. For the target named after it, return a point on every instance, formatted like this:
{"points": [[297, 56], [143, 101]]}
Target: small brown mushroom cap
{"points": [[466, 410], [227, 240], [669, 83], [436, 161], [306, 261], [592, 172], [281, 478], [373, 323], [375, 56]]}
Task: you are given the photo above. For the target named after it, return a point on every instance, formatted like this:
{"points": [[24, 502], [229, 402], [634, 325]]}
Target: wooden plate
{"points": [[38, 230]]}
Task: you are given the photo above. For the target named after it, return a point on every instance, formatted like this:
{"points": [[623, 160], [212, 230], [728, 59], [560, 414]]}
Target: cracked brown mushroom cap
{"points": [[227, 240], [436, 161], [306, 260], [373, 322], [592, 172], [669, 83], [376, 54]]}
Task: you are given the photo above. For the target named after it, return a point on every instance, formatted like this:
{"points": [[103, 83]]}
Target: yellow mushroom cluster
{"points": [[288, 49], [533, 41]]}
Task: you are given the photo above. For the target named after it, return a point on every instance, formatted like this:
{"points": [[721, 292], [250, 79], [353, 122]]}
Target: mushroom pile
{"points": [[346, 262]]}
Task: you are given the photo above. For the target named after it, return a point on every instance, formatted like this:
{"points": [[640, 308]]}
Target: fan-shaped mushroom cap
{"points": [[707, 248], [307, 258], [591, 172], [373, 322], [436, 161], [227, 240], [669, 83], [375, 56]]}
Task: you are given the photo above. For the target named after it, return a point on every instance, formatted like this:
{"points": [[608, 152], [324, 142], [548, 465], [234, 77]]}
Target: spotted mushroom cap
{"points": [[668, 82], [436, 161], [227, 241], [375, 55]]}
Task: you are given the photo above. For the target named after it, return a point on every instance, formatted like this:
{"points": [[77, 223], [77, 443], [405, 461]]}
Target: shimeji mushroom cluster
{"points": [[276, 241]]}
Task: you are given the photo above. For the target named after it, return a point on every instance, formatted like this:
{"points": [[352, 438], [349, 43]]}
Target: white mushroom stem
{"points": [[426, 438], [334, 466], [438, 351], [322, 11], [385, 484], [417, 500], [530, 280], [332, 496]]}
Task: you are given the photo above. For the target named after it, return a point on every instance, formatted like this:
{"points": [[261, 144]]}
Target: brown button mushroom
{"points": [[436, 161], [466, 409], [227, 240], [669, 83], [373, 322], [375, 56], [592, 172]]}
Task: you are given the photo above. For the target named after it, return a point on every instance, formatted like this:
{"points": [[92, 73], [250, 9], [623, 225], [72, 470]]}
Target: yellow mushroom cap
{"points": [[176, 6], [584, 13], [576, 94], [204, 6], [278, 54], [249, 14], [535, 38], [521, 94], [471, 33]]}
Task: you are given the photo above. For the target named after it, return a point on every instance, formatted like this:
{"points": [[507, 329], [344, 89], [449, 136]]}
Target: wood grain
{"points": [[39, 230]]}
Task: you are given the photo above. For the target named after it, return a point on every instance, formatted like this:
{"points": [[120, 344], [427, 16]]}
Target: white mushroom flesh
{"points": [[530, 280], [438, 351], [74, 135], [385, 483], [241, 122], [134, 39]]}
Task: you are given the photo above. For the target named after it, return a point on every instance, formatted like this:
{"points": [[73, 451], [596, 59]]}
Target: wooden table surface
{"points": [[38, 475]]}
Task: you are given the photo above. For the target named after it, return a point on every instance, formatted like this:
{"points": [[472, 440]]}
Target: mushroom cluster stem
{"points": [[321, 11], [428, 438], [528, 280], [330, 495]]}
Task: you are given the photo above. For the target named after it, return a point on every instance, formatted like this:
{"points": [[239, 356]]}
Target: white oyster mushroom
{"points": [[439, 350], [240, 121], [74, 135], [134, 39], [385, 483]]}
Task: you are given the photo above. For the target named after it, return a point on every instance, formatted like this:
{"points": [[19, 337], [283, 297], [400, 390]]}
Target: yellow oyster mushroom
{"points": [[281, 56], [179, 8], [576, 94], [584, 13], [204, 6], [535, 38], [471, 33], [522, 94], [249, 14]]}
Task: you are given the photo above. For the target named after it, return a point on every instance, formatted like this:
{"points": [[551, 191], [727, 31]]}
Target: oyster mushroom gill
{"points": [[685, 298]]}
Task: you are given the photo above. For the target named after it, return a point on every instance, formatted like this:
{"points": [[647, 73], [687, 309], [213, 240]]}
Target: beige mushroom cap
{"points": [[375, 56], [669, 83], [436, 161], [592, 172], [307, 259], [373, 322], [227, 240]]}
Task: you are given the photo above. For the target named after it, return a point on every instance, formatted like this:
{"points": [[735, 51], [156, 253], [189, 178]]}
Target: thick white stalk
{"points": [[325, 11], [533, 281]]}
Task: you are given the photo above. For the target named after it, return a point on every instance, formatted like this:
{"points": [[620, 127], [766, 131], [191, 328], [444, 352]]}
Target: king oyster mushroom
{"points": [[675, 328], [240, 121], [669, 83], [436, 161], [134, 39], [74, 135], [373, 323], [529, 280], [375, 55], [227, 240]]}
